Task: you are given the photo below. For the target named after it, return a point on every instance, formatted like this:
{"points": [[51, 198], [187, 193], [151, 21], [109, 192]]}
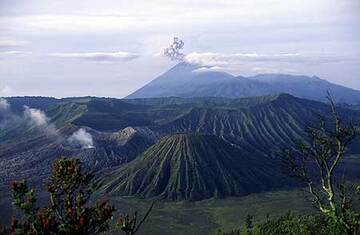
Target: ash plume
{"points": [[173, 51], [82, 138]]}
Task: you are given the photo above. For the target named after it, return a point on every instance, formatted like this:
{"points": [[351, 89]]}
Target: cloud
{"points": [[5, 90], [40, 23], [98, 56], [12, 44], [218, 59], [262, 70], [4, 105], [11, 48], [7, 53], [82, 138], [209, 69], [114, 16]]}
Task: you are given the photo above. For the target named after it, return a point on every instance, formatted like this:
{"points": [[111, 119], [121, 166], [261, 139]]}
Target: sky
{"points": [[110, 48]]}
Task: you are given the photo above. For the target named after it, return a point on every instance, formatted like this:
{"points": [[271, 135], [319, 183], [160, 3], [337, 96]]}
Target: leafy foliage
{"points": [[70, 210]]}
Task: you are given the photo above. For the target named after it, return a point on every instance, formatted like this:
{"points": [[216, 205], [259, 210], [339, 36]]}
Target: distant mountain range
{"points": [[189, 80]]}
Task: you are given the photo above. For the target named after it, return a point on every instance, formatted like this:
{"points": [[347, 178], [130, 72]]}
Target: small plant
{"points": [[249, 224], [129, 224]]}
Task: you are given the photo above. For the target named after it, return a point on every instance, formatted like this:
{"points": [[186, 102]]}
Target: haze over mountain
{"points": [[190, 80]]}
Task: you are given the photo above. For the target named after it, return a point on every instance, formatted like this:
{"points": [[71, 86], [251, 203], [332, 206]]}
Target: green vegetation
{"points": [[326, 149], [193, 167], [208, 216], [285, 225]]}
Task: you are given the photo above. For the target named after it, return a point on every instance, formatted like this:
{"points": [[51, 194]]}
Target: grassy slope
{"points": [[194, 167]]}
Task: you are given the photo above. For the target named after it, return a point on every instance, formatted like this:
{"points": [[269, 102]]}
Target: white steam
{"points": [[4, 113], [4, 105], [38, 118], [82, 138]]}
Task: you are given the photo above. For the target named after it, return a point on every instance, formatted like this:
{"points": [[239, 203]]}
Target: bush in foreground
{"points": [[70, 211]]}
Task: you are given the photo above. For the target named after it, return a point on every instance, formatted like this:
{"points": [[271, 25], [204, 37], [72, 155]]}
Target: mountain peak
{"points": [[183, 67], [183, 80]]}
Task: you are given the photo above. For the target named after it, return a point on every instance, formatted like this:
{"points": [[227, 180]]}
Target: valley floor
{"points": [[208, 216], [197, 218]]}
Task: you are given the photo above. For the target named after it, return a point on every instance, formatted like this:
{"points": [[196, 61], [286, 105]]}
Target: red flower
{"points": [[46, 223], [106, 214], [14, 221], [71, 211], [40, 216], [82, 221]]}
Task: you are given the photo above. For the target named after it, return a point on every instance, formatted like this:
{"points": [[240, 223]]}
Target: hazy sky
{"points": [[112, 47]]}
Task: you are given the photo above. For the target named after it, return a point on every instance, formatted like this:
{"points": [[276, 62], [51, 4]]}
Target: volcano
{"points": [[193, 167], [189, 80]]}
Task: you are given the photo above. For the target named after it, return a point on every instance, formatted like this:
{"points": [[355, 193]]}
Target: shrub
{"points": [[70, 210]]}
